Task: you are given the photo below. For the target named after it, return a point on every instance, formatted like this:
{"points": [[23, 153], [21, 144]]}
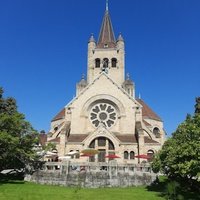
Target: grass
{"points": [[160, 190], [29, 191]]}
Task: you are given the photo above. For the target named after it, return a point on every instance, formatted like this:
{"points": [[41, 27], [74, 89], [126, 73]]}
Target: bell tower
{"points": [[107, 54]]}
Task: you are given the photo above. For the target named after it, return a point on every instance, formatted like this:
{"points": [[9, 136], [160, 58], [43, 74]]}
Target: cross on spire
{"points": [[106, 5]]}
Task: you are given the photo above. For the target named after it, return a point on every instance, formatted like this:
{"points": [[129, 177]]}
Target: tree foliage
{"points": [[17, 136], [180, 154]]}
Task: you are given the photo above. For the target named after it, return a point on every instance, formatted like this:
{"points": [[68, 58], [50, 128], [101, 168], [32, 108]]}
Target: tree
{"points": [[179, 157], [17, 136], [197, 106]]}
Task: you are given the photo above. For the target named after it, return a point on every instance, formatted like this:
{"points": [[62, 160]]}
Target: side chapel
{"points": [[105, 114]]}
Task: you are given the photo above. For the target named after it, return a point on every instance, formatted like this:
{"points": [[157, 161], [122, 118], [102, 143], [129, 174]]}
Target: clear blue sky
{"points": [[43, 52]]}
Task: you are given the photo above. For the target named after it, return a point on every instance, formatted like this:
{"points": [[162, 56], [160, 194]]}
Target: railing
{"points": [[111, 167]]}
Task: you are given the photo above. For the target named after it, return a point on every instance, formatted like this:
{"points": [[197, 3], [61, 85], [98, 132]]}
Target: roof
{"points": [[120, 38], [147, 112], [106, 35], [131, 138], [77, 137], [60, 115], [148, 140]]}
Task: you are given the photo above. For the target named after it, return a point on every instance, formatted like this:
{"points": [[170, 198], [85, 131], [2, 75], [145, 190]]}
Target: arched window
{"points": [[104, 146], [150, 154], [156, 132], [97, 62], [92, 144], [110, 145], [114, 62], [132, 155], [105, 63], [125, 154]]}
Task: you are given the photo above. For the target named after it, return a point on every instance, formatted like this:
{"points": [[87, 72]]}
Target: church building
{"points": [[105, 115]]}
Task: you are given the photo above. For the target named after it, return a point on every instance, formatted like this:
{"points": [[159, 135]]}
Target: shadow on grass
{"points": [[173, 190], [11, 179]]}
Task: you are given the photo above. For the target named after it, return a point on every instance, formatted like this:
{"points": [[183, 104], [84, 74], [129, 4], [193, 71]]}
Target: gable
{"points": [[103, 84]]}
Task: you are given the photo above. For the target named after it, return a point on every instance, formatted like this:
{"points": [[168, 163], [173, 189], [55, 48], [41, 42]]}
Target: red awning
{"points": [[112, 156]]}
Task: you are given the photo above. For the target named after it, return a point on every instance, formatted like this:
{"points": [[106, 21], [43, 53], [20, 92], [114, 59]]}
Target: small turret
{"points": [[120, 42], [120, 38], [91, 42], [81, 85], [129, 86], [92, 38]]}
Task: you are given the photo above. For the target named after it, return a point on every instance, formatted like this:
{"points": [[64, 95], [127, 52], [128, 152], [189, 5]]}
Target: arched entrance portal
{"points": [[104, 146]]}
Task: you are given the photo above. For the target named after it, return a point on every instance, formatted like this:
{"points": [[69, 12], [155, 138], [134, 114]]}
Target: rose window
{"points": [[103, 113]]}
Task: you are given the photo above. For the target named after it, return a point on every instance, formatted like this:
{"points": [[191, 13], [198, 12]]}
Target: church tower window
{"points": [[114, 62], [97, 63], [105, 63]]}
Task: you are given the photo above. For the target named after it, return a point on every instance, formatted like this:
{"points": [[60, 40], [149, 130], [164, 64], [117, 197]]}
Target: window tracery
{"points": [[103, 113]]}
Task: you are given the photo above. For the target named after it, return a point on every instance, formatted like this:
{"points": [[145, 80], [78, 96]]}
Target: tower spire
{"points": [[106, 35]]}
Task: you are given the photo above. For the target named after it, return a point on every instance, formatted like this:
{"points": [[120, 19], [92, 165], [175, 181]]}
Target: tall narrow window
{"points": [[132, 155], [114, 62], [125, 154], [105, 63], [97, 62]]}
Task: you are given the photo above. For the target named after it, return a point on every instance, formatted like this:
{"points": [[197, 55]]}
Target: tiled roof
{"points": [[130, 138], [60, 115], [77, 137], [106, 36], [42, 139], [147, 112], [148, 140]]}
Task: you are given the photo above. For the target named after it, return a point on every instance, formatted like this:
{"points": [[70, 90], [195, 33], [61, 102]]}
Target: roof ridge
{"points": [[147, 111]]}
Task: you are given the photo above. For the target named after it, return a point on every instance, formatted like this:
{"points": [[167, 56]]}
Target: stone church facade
{"points": [[105, 114]]}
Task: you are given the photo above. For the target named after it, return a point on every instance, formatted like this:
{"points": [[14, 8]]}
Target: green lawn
{"points": [[29, 191]]}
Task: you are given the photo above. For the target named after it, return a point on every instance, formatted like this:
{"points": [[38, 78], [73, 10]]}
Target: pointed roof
{"points": [[106, 35], [60, 115], [120, 38], [147, 112], [92, 38]]}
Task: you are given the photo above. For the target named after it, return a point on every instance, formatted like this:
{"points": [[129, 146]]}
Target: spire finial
{"points": [[83, 76], [106, 5], [127, 76]]}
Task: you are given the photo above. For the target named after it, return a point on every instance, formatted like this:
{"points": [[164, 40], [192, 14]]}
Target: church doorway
{"points": [[104, 146]]}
